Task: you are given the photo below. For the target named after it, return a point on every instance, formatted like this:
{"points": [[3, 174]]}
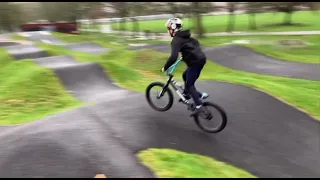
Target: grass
{"points": [[168, 163], [307, 54], [298, 92], [265, 22], [29, 92], [103, 39], [136, 69]]}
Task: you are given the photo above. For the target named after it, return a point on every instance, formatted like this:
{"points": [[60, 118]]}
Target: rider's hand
{"points": [[162, 70]]}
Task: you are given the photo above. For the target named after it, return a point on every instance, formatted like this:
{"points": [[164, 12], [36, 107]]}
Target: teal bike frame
{"points": [[176, 85], [173, 67]]}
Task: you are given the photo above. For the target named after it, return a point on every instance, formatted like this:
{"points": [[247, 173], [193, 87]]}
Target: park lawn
{"points": [[95, 37], [29, 92], [266, 22], [300, 93], [106, 40], [306, 54], [135, 70], [169, 163]]}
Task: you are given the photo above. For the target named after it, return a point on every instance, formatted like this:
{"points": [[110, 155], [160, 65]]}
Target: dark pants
{"points": [[190, 75]]}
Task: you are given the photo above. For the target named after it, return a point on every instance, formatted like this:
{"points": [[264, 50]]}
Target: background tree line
{"points": [[14, 14]]}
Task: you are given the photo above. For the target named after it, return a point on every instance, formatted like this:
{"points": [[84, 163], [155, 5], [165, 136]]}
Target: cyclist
{"points": [[192, 55]]}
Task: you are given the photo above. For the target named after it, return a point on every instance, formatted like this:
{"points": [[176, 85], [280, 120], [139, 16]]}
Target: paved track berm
{"points": [[264, 136]]}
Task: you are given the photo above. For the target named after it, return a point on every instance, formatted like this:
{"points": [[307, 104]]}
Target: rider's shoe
{"points": [[198, 109]]}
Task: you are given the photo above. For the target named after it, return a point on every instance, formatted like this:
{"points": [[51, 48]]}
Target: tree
{"points": [[231, 8], [197, 9], [252, 9], [198, 18], [136, 11], [290, 7], [10, 16], [30, 11], [314, 6], [122, 10], [70, 11]]}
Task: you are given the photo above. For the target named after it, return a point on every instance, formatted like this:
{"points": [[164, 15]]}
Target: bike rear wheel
{"points": [[165, 92], [221, 112]]}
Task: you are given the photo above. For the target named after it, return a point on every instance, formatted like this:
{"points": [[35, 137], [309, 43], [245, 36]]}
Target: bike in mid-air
{"points": [[164, 89]]}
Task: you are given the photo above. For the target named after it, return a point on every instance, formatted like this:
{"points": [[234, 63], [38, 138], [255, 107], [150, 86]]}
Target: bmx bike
{"points": [[164, 89]]}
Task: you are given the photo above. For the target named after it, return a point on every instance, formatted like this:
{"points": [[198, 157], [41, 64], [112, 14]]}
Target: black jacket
{"points": [[189, 48]]}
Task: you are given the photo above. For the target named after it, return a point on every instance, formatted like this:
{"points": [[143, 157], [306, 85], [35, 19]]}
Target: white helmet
{"points": [[174, 24]]}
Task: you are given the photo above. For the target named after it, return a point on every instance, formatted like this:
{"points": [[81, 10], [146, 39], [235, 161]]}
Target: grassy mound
{"points": [[168, 163], [136, 69], [298, 92], [29, 92]]}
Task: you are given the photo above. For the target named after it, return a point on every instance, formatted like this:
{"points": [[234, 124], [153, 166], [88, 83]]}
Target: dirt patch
{"points": [[286, 24], [292, 43], [149, 74], [287, 42], [142, 58], [246, 41]]}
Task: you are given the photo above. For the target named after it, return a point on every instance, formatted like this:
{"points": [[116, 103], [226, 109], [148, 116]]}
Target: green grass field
{"points": [[168, 163], [297, 92], [143, 67], [307, 54], [266, 22], [136, 69], [29, 92]]}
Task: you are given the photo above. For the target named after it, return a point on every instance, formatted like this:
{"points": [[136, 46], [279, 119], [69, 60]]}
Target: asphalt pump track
{"points": [[244, 59], [264, 136]]}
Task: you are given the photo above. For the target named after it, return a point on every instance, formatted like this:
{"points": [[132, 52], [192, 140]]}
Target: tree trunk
{"points": [[123, 24], [231, 22], [252, 21], [135, 27], [288, 18], [230, 27], [199, 25]]}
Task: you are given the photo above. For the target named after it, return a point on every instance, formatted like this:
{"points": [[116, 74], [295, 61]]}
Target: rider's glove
{"points": [[162, 70]]}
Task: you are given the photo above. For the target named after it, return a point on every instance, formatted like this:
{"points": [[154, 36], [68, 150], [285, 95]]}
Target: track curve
{"points": [[269, 139], [245, 59], [46, 37]]}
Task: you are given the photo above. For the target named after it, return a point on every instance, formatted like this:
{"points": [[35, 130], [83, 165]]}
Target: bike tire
{"points": [[168, 90], [220, 127]]}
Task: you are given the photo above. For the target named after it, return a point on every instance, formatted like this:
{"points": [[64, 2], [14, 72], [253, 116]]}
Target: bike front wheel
{"points": [[163, 93], [211, 107]]}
